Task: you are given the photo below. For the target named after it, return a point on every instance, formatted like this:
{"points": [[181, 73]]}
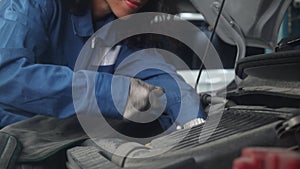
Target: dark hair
{"points": [[79, 7], [76, 7], [165, 6], [153, 40]]}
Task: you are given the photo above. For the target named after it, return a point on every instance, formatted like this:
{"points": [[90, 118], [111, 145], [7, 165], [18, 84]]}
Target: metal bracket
{"points": [[288, 43], [288, 126]]}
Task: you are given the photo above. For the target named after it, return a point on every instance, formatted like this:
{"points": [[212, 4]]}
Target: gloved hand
{"points": [[145, 102]]}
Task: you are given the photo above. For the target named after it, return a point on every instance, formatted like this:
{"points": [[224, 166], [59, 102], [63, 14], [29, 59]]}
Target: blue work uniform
{"points": [[39, 45]]}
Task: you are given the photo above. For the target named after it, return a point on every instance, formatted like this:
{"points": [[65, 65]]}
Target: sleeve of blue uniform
{"points": [[28, 88]]}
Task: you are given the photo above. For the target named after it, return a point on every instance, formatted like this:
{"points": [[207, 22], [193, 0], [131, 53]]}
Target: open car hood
{"points": [[246, 22]]}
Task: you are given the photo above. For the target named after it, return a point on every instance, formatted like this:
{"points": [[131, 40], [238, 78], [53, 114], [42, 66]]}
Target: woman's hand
{"points": [[145, 102]]}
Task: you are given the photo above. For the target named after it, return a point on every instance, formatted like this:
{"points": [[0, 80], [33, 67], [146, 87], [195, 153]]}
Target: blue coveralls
{"points": [[39, 45]]}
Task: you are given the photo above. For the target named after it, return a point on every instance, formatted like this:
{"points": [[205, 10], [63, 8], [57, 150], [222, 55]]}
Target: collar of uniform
{"points": [[83, 25], [108, 32]]}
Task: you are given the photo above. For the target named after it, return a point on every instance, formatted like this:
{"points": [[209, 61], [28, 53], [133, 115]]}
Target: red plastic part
{"points": [[260, 155], [289, 161], [244, 163], [272, 161], [267, 158]]}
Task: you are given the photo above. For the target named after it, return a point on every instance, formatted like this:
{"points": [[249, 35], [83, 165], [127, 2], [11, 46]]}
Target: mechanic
{"points": [[40, 42]]}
